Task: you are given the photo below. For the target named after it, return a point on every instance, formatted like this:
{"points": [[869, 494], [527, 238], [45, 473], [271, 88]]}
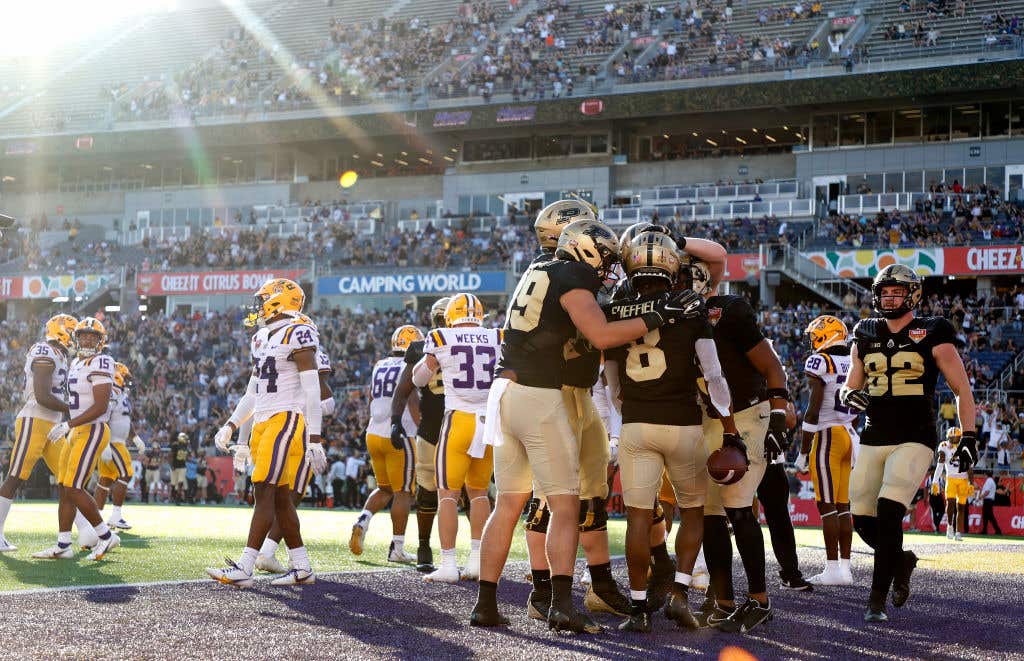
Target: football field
{"points": [[965, 602]]}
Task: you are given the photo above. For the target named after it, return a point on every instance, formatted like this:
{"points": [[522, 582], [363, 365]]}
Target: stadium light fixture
{"points": [[449, 159], [405, 153], [377, 163], [741, 140], [754, 130], [785, 128], [7, 178], [425, 161], [401, 162], [711, 142], [60, 299], [665, 135], [769, 138], [694, 134]]}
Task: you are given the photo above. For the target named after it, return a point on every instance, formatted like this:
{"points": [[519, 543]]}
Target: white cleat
{"points": [[231, 575], [400, 556], [585, 579], [831, 578], [55, 552], [959, 537], [6, 546], [443, 575], [87, 539], [949, 532], [700, 579], [355, 541], [104, 546], [270, 564], [296, 577], [120, 524]]}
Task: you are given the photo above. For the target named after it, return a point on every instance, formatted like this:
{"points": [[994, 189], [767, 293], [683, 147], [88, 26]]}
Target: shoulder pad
{"points": [[817, 365], [300, 336], [866, 329]]}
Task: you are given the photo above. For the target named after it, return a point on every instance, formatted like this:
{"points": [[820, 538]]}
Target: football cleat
{"points": [[104, 546], [959, 537], [355, 542], [270, 564], [399, 555], [572, 621], [607, 601], [830, 577], [876, 608], [295, 576], [714, 615], [798, 583], [950, 533], [443, 575], [55, 552], [538, 604], [901, 581], [748, 616], [678, 610], [6, 546], [425, 559], [487, 618], [637, 622], [231, 575], [120, 524]]}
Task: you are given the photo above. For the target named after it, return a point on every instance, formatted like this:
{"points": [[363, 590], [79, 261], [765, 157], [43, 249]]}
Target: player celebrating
{"points": [[283, 396], [90, 382], [959, 484], [465, 353], [431, 404], [829, 444], [896, 359], [393, 460], [115, 461]]}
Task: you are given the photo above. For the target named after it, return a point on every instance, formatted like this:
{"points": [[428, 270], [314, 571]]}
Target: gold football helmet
{"points": [[827, 331], [694, 274], [90, 326], [123, 376], [896, 275], [61, 329], [591, 242], [553, 218], [464, 309], [276, 297], [953, 434], [652, 254], [633, 231], [404, 336], [437, 312]]}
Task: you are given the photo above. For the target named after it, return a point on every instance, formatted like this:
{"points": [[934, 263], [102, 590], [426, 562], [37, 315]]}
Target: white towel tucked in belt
{"points": [[492, 422], [477, 447]]}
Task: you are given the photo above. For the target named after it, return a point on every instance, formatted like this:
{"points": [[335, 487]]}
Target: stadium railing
{"points": [[872, 203], [678, 194], [710, 211]]}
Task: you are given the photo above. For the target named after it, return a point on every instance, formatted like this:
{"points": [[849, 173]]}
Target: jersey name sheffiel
{"points": [[467, 356], [831, 369], [120, 415], [278, 388], [42, 353], [85, 372], [383, 382]]}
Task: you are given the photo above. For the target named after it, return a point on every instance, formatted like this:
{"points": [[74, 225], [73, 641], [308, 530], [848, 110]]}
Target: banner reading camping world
{"points": [[382, 284]]}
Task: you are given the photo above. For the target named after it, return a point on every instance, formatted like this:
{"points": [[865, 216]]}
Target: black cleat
{"points": [[748, 616], [798, 583], [606, 599], [714, 615], [678, 610], [572, 621], [425, 559], [639, 622], [876, 608], [487, 617], [538, 605], [901, 582]]}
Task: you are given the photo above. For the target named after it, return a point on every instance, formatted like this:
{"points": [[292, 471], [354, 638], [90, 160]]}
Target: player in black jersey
{"points": [[431, 410], [535, 440], [896, 359], [757, 384], [661, 418]]}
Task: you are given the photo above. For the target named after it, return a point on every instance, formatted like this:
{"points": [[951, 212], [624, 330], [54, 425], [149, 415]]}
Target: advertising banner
{"points": [[10, 287], [743, 266], [208, 282], [412, 283], [52, 286], [980, 260]]}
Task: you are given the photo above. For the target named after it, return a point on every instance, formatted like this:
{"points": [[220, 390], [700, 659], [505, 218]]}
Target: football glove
{"points": [[734, 440], [613, 449], [935, 488], [967, 450], [140, 447], [801, 464], [398, 437], [107, 455], [59, 431], [242, 454], [223, 438], [327, 406], [857, 400], [316, 457], [775, 440]]}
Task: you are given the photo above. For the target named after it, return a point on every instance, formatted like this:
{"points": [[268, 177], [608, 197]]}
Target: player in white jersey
{"points": [[115, 465], [283, 396], [46, 375], [829, 444], [959, 484], [393, 460], [465, 353], [266, 560], [90, 382]]}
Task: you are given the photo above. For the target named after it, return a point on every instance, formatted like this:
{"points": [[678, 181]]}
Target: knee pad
{"points": [[659, 513], [537, 516], [741, 516], [593, 514], [426, 500]]}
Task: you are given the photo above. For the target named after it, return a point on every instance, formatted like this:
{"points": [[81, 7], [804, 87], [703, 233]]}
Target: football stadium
{"points": [[512, 329]]}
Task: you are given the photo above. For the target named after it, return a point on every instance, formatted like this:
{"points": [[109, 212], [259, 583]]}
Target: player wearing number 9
{"points": [[895, 361]]}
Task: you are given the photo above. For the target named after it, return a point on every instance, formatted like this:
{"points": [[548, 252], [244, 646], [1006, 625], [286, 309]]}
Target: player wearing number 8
{"points": [[895, 361], [465, 353]]}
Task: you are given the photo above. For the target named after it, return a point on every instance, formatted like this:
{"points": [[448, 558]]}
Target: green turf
{"points": [[177, 543]]}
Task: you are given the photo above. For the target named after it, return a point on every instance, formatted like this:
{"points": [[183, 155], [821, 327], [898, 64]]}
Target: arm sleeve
{"points": [[310, 382], [739, 323], [718, 388], [244, 407], [421, 373]]}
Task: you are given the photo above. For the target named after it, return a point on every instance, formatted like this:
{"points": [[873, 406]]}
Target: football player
{"points": [[661, 429], [267, 560], [115, 465], [283, 397], [90, 382], [46, 375], [757, 384], [896, 359], [465, 354], [393, 460], [829, 444], [959, 484], [431, 409], [527, 420]]}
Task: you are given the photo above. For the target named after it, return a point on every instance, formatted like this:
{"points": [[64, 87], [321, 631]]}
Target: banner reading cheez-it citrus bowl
{"points": [[980, 260], [209, 282]]}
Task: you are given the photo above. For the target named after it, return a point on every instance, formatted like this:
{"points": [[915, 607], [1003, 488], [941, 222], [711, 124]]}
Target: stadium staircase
{"points": [[788, 261]]}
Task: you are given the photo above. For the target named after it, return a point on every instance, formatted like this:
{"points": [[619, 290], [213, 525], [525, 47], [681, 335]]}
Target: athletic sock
{"points": [[487, 597], [660, 555], [398, 543], [683, 581], [750, 544], [64, 539], [248, 560], [541, 580], [103, 530], [601, 575], [5, 508], [364, 519], [115, 513], [474, 551], [561, 592], [638, 600], [719, 556], [81, 522], [448, 558], [298, 558], [269, 548]]}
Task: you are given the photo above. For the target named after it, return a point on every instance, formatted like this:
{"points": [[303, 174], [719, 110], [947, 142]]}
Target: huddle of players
{"points": [[77, 418]]}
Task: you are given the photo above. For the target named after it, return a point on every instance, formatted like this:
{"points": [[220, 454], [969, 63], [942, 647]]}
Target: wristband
{"points": [[809, 427], [778, 393], [782, 411]]}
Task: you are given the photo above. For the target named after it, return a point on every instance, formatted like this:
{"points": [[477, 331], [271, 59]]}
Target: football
{"points": [[727, 465]]}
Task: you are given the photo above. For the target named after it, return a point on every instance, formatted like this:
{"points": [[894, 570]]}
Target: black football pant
{"points": [[773, 494]]}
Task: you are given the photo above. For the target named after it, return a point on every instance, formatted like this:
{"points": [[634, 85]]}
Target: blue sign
{"points": [[412, 283]]}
